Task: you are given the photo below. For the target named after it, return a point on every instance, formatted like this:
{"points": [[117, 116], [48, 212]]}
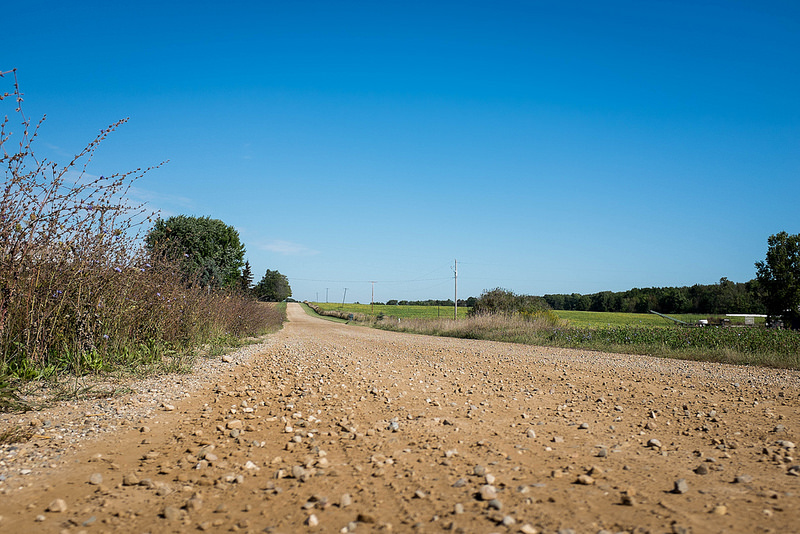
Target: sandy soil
{"points": [[337, 428]]}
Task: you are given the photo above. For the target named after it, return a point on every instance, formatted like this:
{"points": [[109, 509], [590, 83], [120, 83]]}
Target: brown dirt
{"points": [[337, 428]]}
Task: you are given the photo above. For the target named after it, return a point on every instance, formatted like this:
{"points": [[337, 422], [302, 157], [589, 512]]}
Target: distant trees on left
{"points": [[207, 250], [273, 287]]}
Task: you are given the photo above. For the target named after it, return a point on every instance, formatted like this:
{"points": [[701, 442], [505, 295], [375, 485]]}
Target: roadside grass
{"points": [[80, 296], [623, 333], [742, 346], [313, 313]]}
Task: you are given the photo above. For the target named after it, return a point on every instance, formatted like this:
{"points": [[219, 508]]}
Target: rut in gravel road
{"points": [[338, 428]]}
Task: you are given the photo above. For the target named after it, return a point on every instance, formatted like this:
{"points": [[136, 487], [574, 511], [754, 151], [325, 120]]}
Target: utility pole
{"points": [[455, 308], [343, 297], [372, 304], [326, 295]]}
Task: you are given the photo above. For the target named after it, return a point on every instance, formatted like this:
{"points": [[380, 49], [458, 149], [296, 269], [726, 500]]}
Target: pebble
{"points": [[312, 521], [345, 500], [171, 513], [96, 479], [681, 486], [488, 492], [58, 506], [654, 443]]}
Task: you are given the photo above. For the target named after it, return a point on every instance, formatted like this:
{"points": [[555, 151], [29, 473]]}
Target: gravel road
{"points": [[326, 427]]}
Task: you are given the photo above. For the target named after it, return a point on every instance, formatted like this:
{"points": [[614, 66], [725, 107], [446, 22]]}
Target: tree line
{"points": [[724, 297]]}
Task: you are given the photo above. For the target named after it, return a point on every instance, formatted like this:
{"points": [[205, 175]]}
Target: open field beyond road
{"points": [[336, 428]]}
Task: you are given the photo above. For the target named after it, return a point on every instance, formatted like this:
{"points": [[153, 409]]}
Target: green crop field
{"points": [[587, 319], [403, 312], [581, 319]]}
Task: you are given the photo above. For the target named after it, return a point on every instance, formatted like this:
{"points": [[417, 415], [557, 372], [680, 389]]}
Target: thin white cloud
{"points": [[287, 248]]}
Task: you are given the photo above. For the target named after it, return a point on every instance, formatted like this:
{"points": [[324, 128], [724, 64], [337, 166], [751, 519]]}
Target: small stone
{"points": [[130, 480], [496, 504], [169, 407], [681, 486], [585, 480], [508, 521], [654, 443], [312, 521], [743, 479], [479, 470], [584, 426], [365, 517], [58, 506], [701, 469], [557, 439], [171, 513], [602, 453], [531, 433], [458, 508], [490, 478], [235, 424], [96, 479], [528, 529], [488, 492], [345, 500], [298, 471], [720, 509], [226, 358], [419, 494], [460, 483]]}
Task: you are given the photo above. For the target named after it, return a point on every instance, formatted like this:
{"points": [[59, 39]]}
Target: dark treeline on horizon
{"points": [[724, 297], [714, 299]]}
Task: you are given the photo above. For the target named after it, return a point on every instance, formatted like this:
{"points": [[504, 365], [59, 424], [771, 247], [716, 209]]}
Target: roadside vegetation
{"points": [[81, 294], [503, 316]]}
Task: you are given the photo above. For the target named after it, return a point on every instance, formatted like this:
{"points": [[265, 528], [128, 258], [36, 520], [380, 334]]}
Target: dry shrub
{"points": [[78, 292]]}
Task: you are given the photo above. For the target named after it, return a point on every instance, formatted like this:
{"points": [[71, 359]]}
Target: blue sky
{"points": [[549, 147]]}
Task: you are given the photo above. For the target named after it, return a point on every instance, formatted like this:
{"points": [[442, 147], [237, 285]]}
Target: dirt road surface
{"points": [[337, 428]]}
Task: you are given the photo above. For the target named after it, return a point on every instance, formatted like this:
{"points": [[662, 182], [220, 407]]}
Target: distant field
{"points": [[581, 319], [585, 319], [404, 312]]}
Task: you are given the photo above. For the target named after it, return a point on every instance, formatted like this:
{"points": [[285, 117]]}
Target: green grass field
{"points": [[587, 319], [581, 319]]}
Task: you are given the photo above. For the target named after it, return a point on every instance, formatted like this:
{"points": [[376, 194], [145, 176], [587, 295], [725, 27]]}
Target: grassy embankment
{"points": [[609, 332], [79, 295]]}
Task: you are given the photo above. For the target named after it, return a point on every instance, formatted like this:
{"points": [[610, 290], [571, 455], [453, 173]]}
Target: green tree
{"points": [[206, 249], [246, 280], [273, 287], [779, 278]]}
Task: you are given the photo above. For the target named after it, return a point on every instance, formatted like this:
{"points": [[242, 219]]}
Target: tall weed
{"points": [[78, 292]]}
